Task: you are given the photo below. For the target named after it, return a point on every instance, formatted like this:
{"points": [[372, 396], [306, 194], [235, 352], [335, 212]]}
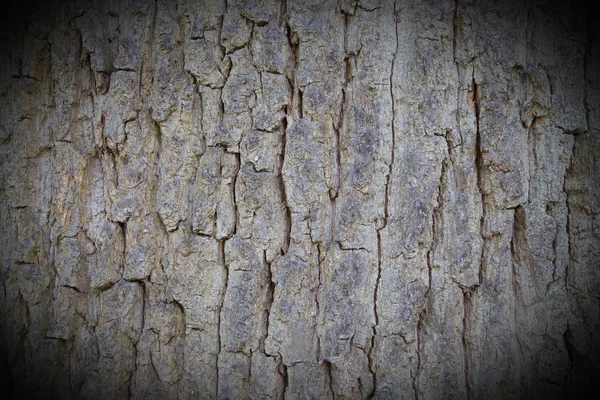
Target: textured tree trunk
{"points": [[266, 199]]}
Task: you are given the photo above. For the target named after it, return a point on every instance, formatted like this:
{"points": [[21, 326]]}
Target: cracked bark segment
{"points": [[304, 172], [135, 19], [346, 318], [270, 52], [107, 237], [69, 259], [502, 138], [212, 114], [347, 310], [196, 281], [214, 212], [242, 315], [145, 247], [266, 380], [269, 199], [239, 98], [235, 381], [424, 76], [261, 149], [260, 13], [92, 27], [119, 106], [291, 334], [394, 379], [458, 221], [405, 244], [442, 373], [236, 29], [534, 277], [365, 142], [583, 199], [261, 214], [195, 278], [407, 237], [200, 358], [177, 163], [542, 251], [203, 54], [64, 321], [271, 101], [454, 258], [362, 141], [495, 304], [201, 16], [116, 340], [559, 30], [133, 165], [83, 357], [308, 379], [159, 352], [502, 180]]}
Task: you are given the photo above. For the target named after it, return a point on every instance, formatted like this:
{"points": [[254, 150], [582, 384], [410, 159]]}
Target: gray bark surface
{"points": [[300, 199]]}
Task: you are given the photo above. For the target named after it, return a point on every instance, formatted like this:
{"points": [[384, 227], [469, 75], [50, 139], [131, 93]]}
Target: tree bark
{"points": [[300, 199]]}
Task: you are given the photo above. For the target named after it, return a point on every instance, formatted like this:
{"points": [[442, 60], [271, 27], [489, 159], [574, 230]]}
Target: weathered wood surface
{"points": [[265, 199]]}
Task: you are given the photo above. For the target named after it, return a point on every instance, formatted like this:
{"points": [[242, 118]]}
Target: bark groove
{"points": [[293, 199]]}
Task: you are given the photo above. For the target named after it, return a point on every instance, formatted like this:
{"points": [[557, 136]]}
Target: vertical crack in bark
{"points": [[474, 101], [429, 269], [286, 122], [465, 344], [294, 45], [123, 226], [154, 184], [287, 215], [437, 213], [391, 165], [152, 362], [375, 290], [282, 12], [458, 74], [330, 377], [419, 349], [190, 194], [568, 173], [318, 306], [182, 311], [455, 32], [269, 302], [434, 232], [385, 210], [300, 106], [551, 211], [515, 259], [221, 244], [236, 213], [530, 150], [282, 370], [249, 370], [338, 127], [220, 34], [135, 345]]}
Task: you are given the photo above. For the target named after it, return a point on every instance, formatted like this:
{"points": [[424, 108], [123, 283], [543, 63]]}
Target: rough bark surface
{"points": [[300, 199]]}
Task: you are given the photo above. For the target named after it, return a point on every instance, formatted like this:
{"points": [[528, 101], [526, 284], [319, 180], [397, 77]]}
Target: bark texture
{"points": [[300, 199]]}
